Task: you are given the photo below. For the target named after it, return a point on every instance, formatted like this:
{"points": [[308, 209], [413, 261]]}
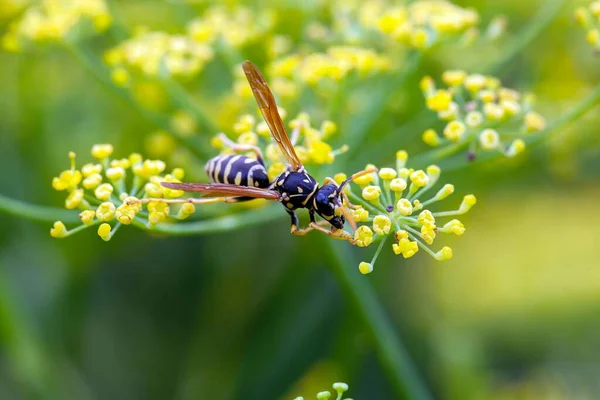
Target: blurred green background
{"points": [[256, 313]]}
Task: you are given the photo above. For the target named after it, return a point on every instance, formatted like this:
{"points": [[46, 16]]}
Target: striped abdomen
{"points": [[237, 170]]}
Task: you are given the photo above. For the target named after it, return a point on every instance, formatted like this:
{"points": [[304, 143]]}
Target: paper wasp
{"points": [[239, 178]]}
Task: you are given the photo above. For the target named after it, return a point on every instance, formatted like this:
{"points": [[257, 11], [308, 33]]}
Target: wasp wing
{"points": [[223, 190], [268, 108]]}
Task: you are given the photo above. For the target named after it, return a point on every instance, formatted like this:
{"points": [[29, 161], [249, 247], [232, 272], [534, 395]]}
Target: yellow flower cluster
{"points": [[288, 73], [422, 24], [479, 112], [156, 54], [339, 387], [589, 19], [392, 203], [234, 26], [309, 142], [52, 20], [109, 192]]}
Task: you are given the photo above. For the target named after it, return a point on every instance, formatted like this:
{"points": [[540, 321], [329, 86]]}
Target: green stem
{"points": [[389, 348], [96, 67], [219, 224], [528, 34], [363, 124], [570, 116], [35, 212]]}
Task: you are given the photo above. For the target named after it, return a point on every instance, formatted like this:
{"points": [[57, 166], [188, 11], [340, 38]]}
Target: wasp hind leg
{"points": [[240, 148]]}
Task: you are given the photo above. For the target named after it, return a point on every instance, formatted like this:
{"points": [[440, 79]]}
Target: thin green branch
{"points": [[222, 224], [35, 212], [548, 12], [389, 348], [360, 127]]}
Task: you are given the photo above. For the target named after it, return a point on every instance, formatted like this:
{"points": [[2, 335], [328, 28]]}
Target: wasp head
{"points": [[328, 205]]}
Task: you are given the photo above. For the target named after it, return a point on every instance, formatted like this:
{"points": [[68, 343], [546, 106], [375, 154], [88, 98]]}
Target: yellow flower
{"points": [[455, 130], [360, 215], [431, 138], [382, 225], [104, 231], [87, 216], [371, 193], [444, 192], [454, 77], [320, 152], [387, 173], [516, 147], [404, 206], [489, 139], [439, 101], [405, 247], [74, 199], [444, 254], [398, 185], [102, 151], [419, 178], [455, 226], [125, 214], [468, 202], [534, 122], [104, 191], [365, 268], [105, 212], [58, 230], [363, 236], [275, 170]]}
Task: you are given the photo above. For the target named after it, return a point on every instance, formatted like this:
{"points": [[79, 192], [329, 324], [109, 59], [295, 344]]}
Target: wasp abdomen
{"points": [[237, 170]]}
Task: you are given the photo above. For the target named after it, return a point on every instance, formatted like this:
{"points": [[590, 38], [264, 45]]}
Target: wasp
{"points": [[238, 177]]}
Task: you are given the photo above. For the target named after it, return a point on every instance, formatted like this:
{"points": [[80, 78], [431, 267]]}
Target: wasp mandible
{"points": [[238, 177]]}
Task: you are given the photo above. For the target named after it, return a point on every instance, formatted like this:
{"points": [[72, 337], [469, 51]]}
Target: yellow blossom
{"points": [[419, 178], [58, 230], [371, 193], [106, 212], [104, 231], [365, 268], [404, 206], [360, 215], [534, 122], [102, 151], [444, 192], [454, 77], [468, 202], [363, 236], [455, 130], [398, 185], [455, 226], [439, 101], [104, 191], [444, 254], [489, 139], [516, 147], [387, 173], [125, 214], [87, 216], [474, 119], [74, 199], [382, 225], [431, 138]]}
